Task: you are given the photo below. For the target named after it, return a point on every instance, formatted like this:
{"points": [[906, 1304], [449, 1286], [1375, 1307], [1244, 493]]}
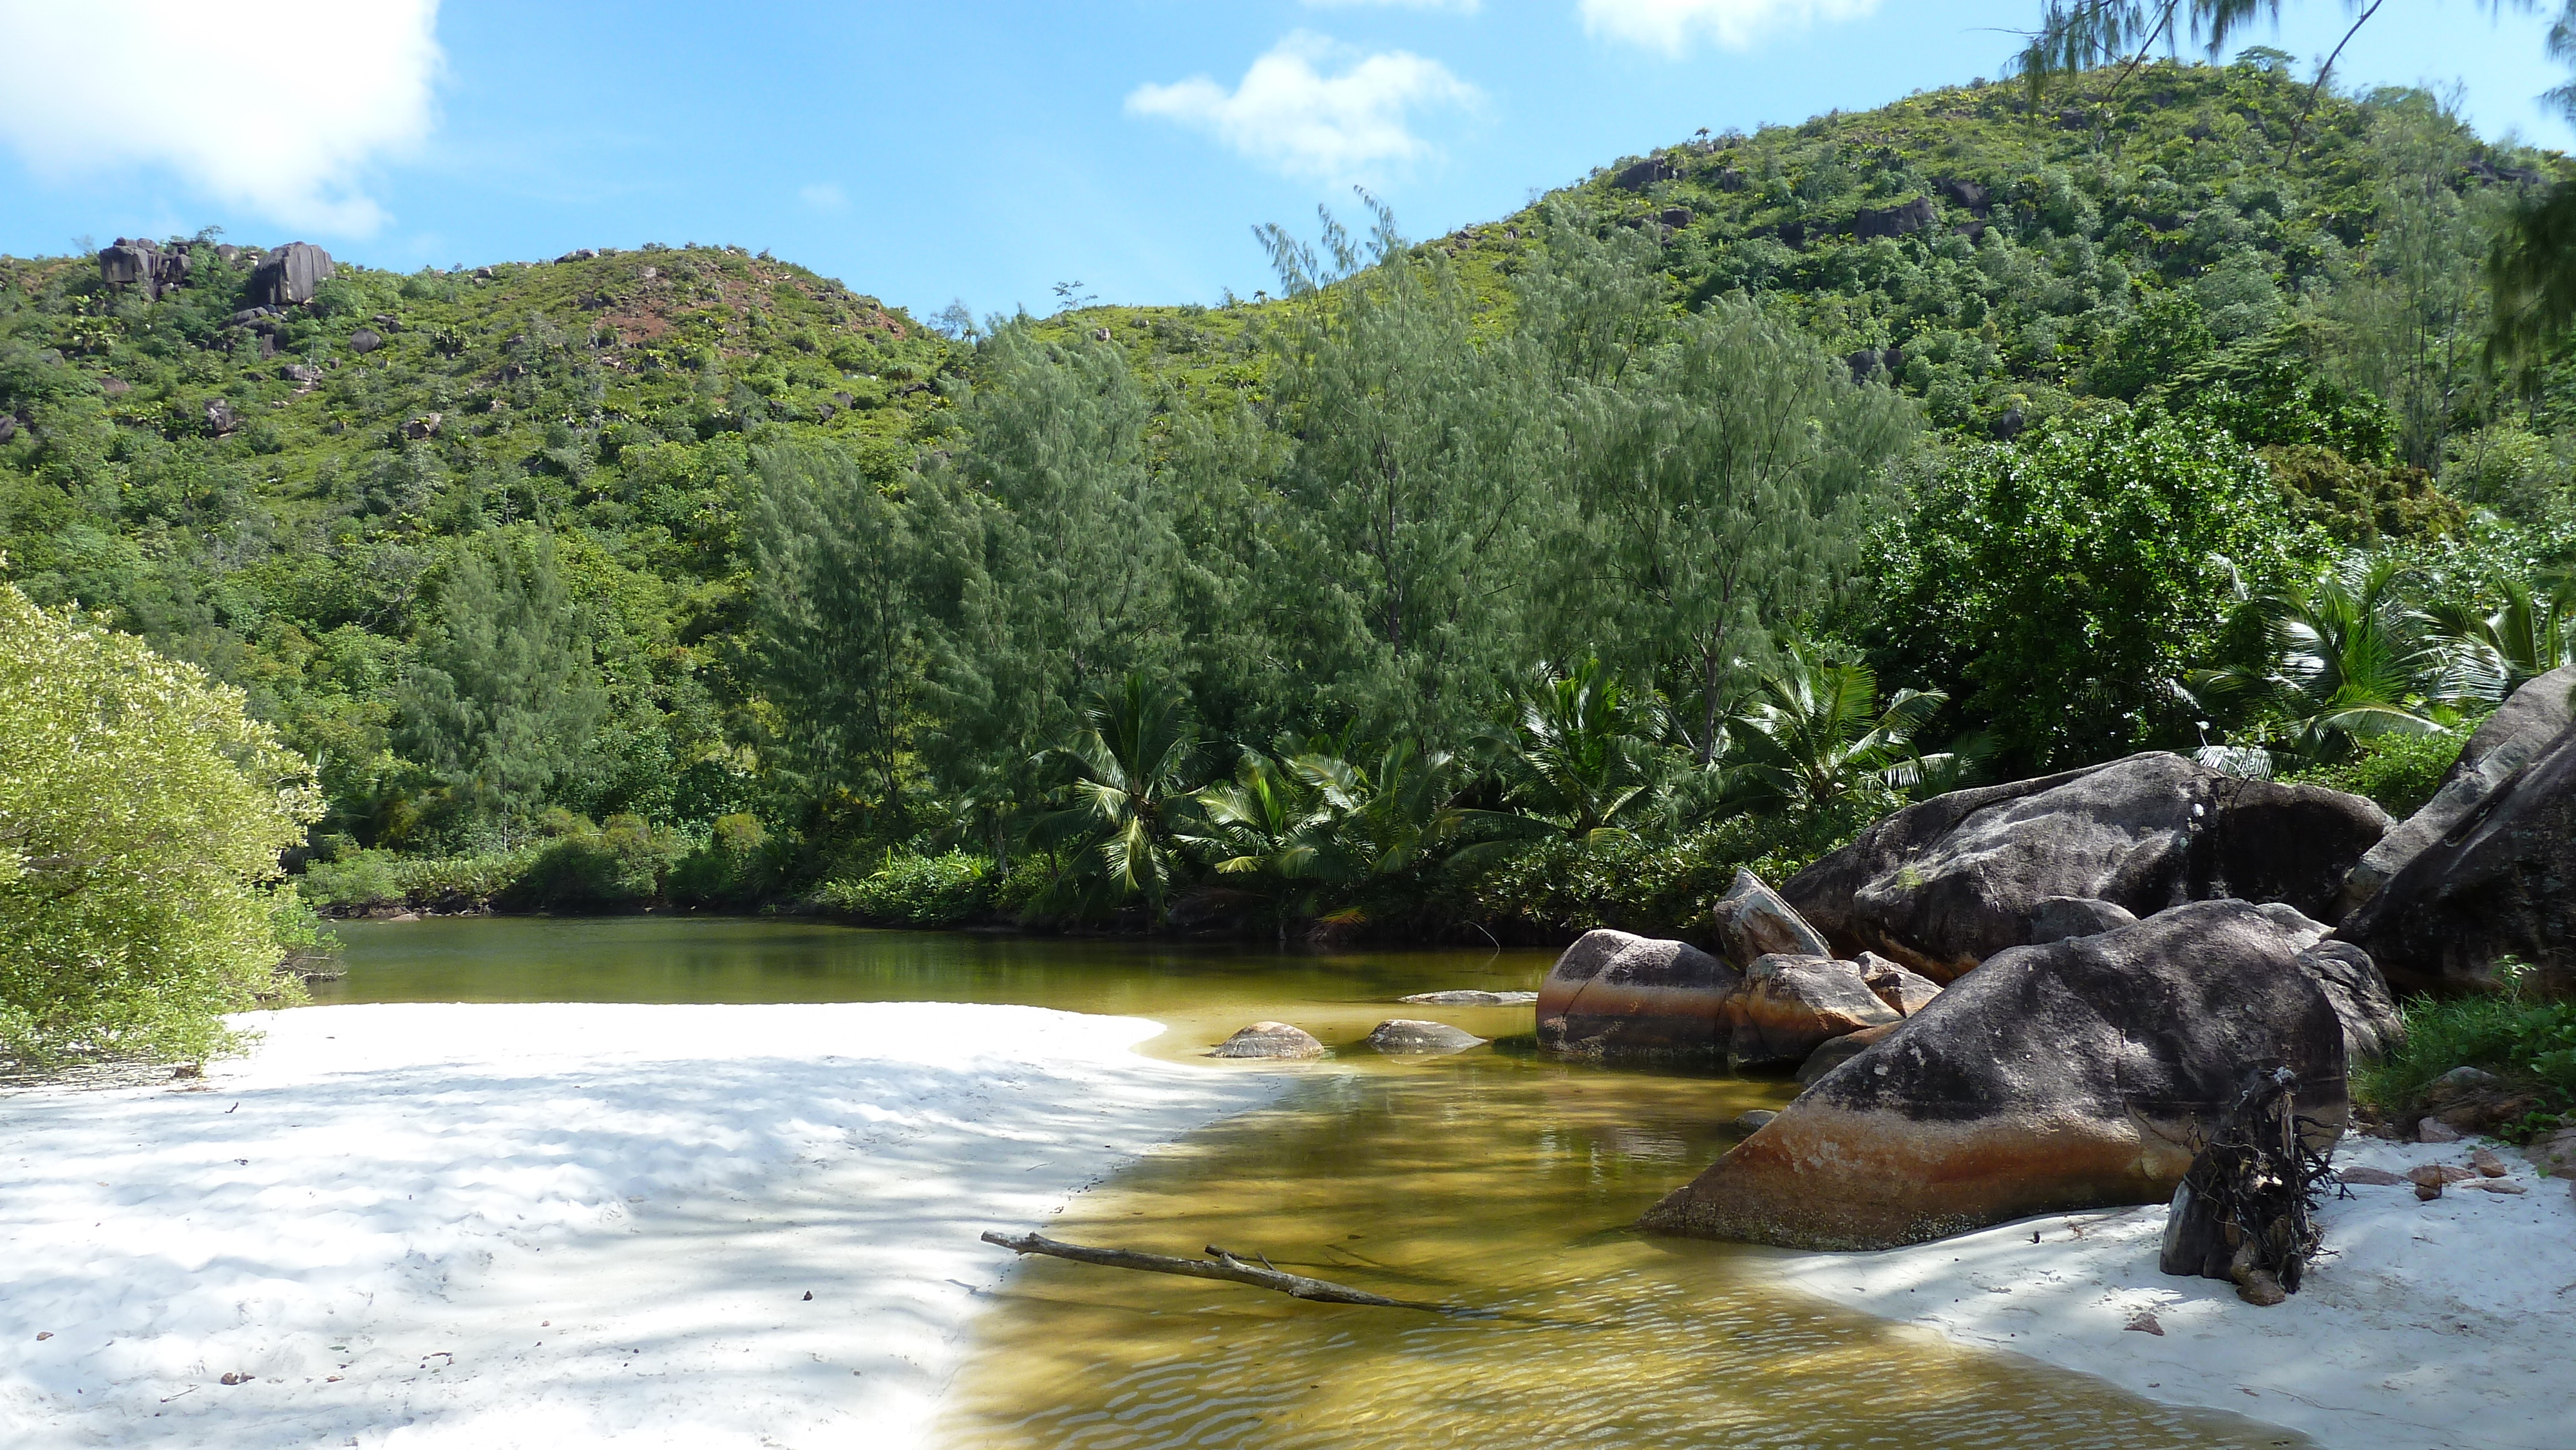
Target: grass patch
{"points": [[2530, 1044]]}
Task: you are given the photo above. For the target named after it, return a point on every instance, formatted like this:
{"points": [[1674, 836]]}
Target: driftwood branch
{"points": [[1218, 1265]]}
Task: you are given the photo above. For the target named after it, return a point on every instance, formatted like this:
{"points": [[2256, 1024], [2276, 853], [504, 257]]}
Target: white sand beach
{"points": [[2430, 1326], [553, 1226]]}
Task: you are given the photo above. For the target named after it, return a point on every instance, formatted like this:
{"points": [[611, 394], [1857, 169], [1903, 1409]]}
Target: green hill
{"points": [[383, 510]]}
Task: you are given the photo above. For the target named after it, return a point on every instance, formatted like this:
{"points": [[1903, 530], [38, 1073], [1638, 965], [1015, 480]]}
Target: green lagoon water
{"points": [[1495, 1179]]}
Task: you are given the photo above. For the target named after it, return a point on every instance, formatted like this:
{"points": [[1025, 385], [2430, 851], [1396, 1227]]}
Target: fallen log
{"points": [[1219, 1265]]}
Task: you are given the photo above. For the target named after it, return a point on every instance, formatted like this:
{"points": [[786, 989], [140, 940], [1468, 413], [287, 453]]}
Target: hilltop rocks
{"points": [[2500, 882], [1270, 1039], [220, 417], [290, 275], [2507, 742], [365, 340], [1943, 885], [1896, 221], [1405, 1038], [1617, 995], [2076, 1074], [137, 262]]}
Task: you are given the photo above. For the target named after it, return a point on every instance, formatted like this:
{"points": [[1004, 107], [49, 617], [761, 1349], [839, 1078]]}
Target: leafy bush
{"points": [[2401, 772], [618, 865], [1560, 887], [914, 890], [2530, 1042], [366, 879], [740, 863], [142, 813]]}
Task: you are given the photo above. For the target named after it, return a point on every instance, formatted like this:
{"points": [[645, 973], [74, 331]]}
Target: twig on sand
{"points": [[1218, 1265]]}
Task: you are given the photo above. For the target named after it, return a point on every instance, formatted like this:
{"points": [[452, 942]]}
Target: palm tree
{"points": [[1581, 763], [2534, 633], [1127, 792], [1816, 738], [1270, 830], [2350, 658]]}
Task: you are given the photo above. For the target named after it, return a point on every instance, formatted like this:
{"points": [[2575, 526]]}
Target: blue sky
{"points": [[984, 152]]}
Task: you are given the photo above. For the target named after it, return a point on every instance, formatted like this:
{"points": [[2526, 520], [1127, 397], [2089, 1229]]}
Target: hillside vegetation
{"points": [[1529, 577]]}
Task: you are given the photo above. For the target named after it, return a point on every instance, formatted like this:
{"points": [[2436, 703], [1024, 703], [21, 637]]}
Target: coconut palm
{"points": [[1816, 737], [2351, 657], [1127, 794], [2534, 633], [1581, 763], [1270, 833]]}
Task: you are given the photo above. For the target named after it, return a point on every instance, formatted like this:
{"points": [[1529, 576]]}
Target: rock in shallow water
{"points": [[1270, 1039], [1405, 1038], [1464, 998], [2055, 1077], [1613, 995]]}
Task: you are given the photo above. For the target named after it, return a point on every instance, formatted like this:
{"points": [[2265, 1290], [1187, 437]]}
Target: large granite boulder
{"points": [[1789, 1006], [1752, 921], [2525, 725], [1943, 885], [290, 275], [2500, 882], [2076, 1074], [1613, 995]]}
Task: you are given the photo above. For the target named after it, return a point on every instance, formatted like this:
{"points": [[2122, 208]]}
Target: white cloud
{"points": [[1671, 25], [824, 196], [1289, 114], [277, 108]]}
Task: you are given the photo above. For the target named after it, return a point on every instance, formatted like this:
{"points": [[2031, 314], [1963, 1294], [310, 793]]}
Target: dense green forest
{"points": [[1529, 578]]}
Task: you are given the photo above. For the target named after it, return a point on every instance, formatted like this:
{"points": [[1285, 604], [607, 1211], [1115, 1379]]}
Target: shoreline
{"points": [[436, 1225], [2427, 1326]]}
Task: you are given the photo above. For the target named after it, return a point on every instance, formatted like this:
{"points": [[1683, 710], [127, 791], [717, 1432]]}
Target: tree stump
{"points": [[2246, 1209]]}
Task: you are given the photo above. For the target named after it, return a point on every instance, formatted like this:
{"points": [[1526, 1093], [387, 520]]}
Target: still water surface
{"points": [[1495, 1179]]}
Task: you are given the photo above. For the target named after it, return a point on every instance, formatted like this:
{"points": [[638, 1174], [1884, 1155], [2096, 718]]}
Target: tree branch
{"points": [[1220, 1265]]}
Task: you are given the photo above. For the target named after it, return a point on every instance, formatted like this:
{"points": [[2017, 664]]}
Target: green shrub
{"points": [[1559, 887], [142, 812], [2401, 772], [364, 879], [619, 865], [738, 864], [2528, 1042], [914, 890], [353, 883]]}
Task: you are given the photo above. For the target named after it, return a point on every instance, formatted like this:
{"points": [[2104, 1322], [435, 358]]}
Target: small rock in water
{"points": [[2486, 1162], [2373, 1177], [1752, 1122], [1404, 1037], [2145, 1322], [1270, 1039], [2433, 1130], [1465, 998]]}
